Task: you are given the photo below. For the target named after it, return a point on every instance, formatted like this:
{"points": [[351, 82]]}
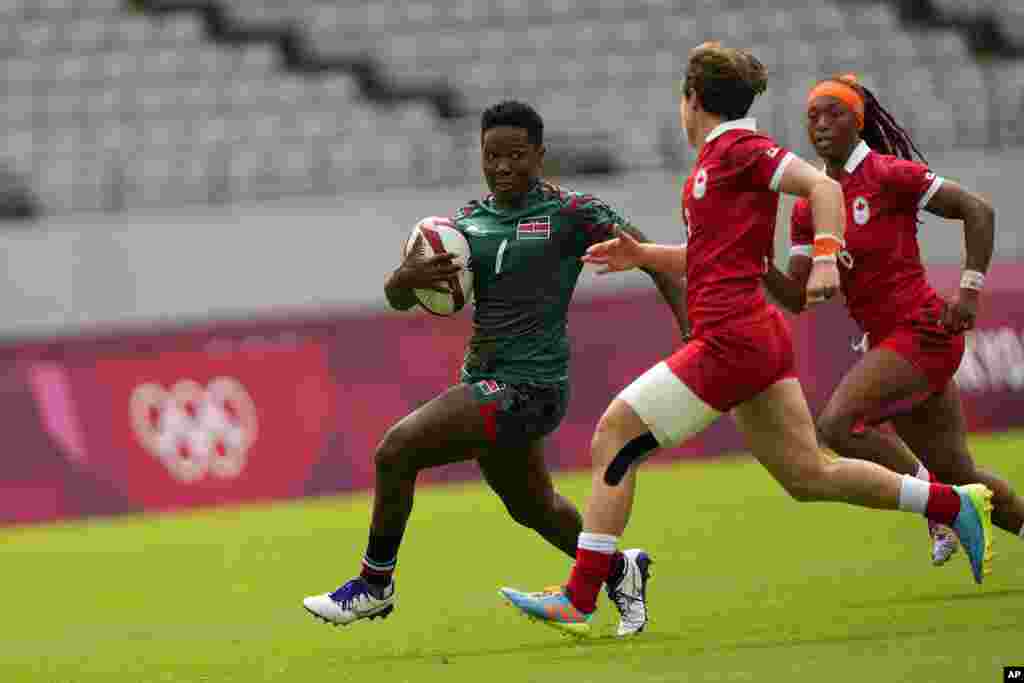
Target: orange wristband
{"points": [[826, 247]]}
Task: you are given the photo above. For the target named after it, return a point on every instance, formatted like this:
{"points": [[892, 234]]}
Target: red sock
{"points": [[589, 572], [943, 504]]}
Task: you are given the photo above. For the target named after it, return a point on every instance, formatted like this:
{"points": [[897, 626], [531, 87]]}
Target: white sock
{"points": [[913, 494], [598, 543], [922, 472], [1022, 532]]}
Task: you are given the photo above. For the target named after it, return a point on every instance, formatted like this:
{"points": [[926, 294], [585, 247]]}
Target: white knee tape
{"points": [[667, 406]]}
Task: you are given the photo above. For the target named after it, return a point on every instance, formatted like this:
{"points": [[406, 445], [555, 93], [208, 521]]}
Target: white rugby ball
{"points": [[439, 236]]}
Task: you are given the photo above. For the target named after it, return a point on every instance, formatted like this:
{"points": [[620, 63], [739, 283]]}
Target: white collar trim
{"points": [[859, 154], [738, 124]]}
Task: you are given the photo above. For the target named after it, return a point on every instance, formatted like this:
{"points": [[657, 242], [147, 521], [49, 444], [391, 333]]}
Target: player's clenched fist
{"points": [[960, 314], [823, 283]]}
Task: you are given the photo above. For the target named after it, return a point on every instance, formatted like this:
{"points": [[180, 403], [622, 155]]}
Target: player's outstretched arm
{"points": [[671, 283], [626, 252], [954, 202]]}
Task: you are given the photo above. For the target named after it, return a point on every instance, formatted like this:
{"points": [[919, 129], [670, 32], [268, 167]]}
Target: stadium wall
{"points": [[153, 420], [66, 275]]}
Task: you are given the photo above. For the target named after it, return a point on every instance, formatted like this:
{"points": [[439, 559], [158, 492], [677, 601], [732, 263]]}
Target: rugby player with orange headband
{"points": [[915, 339], [740, 359]]}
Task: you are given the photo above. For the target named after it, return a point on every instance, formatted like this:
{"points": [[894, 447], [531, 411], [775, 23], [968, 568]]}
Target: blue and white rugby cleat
{"points": [[973, 524], [352, 601], [629, 592], [551, 607]]}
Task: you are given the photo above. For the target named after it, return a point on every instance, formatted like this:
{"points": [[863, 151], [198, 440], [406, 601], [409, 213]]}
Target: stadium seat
{"points": [[38, 37], [19, 147], [179, 30], [872, 20], [87, 35], [955, 9], [942, 46], [965, 89], [134, 32], [1008, 103], [121, 66], [1012, 20]]}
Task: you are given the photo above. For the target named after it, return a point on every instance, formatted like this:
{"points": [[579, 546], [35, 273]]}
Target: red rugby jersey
{"points": [[885, 283], [729, 205]]}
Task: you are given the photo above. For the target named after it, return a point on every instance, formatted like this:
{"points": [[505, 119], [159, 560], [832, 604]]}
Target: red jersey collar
{"points": [[859, 154], [725, 127]]}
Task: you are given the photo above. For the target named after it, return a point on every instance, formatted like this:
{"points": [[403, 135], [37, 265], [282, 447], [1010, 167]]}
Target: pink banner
{"points": [[285, 408]]}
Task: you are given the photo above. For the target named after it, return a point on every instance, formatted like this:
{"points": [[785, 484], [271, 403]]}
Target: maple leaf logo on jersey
{"points": [[700, 184], [861, 211]]}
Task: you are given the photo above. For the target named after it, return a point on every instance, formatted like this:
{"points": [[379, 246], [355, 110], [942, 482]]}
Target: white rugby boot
{"points": [[629, 592], [354, 600]]}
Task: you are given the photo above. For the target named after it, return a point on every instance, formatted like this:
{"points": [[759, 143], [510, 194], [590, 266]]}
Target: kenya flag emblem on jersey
{"points": [[534, 228], [489, 386]]}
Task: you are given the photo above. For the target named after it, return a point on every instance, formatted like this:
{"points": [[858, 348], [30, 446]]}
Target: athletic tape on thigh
{"points": [[667, 406], [632, 453]]}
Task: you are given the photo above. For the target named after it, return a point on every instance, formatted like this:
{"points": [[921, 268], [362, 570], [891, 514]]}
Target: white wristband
{"points": [[831, 258], [972, 279]]}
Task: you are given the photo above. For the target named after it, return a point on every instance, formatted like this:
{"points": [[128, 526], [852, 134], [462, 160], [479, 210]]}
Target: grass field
{"points": [[748, 586]]}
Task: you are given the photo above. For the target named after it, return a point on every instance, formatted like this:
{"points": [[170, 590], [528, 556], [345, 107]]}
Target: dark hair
{"points": [[882, 132], [516, 115], [725, 79]]}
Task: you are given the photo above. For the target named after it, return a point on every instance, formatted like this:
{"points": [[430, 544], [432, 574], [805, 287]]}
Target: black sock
{"points": [[380, 559]]}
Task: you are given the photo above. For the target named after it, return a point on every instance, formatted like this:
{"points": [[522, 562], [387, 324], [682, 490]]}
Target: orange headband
{"points": [[845, 93]]}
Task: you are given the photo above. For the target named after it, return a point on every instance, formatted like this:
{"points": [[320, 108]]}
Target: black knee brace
{"points": [[633, 452]]}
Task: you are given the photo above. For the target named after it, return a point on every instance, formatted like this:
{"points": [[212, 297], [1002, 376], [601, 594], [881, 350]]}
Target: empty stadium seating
{"points": [[107, 109]]}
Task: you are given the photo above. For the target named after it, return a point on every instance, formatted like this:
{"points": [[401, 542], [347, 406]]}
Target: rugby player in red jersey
{"points": [[740, 359], [915, 339]]}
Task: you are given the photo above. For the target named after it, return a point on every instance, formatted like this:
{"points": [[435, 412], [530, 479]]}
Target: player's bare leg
{"points": [[892, 452], [879, 381], [520, 477], [936, 429], [782, 436], [447, 429], [781, 433], [609, 507], [607, 514]]}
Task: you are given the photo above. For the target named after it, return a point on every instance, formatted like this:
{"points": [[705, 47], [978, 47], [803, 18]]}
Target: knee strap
{"points": [[633, 452]]}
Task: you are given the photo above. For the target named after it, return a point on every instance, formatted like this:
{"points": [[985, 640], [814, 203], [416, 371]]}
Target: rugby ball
{"points": [[440, 236]]}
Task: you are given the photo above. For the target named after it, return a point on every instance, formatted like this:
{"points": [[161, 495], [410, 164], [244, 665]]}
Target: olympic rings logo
{"points": [[194, 431]]}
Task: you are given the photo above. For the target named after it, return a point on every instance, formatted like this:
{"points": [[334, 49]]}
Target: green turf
{"points": [[748, 586]]}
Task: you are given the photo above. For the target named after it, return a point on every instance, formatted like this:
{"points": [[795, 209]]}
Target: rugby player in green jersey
{"points": [[526, 240]]}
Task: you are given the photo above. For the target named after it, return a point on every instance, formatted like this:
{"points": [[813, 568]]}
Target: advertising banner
{"points": [[283, 408]]}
